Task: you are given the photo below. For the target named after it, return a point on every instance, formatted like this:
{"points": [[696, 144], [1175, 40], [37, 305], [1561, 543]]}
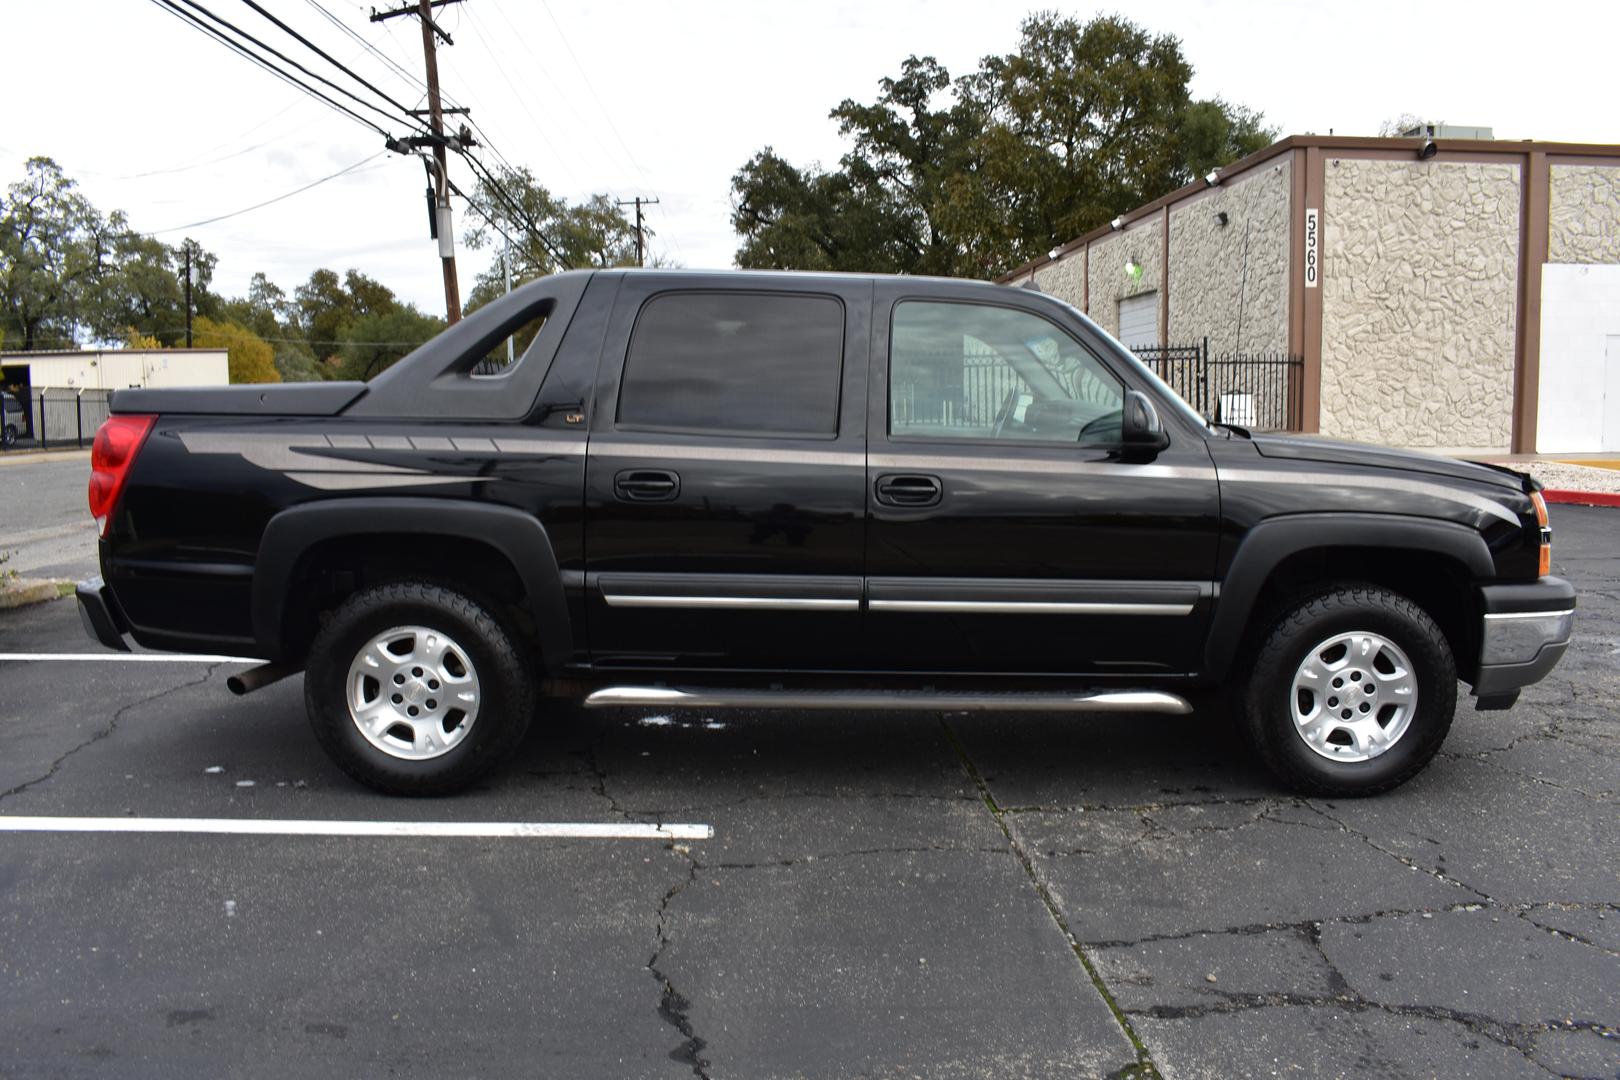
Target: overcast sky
{"points": [[669, 99]]}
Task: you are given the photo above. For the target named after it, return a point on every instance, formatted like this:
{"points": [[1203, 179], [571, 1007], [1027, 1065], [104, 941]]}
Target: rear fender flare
{"points": [[1266, 545], [518, 536]]}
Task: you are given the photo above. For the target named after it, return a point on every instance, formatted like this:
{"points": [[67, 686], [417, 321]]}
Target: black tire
{"points": [[8, 436], [506, 687], [1346, 608]]}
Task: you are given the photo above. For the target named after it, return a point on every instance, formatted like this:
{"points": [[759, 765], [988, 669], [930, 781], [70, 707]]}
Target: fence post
{"points": [[78, 420], [1203, 378], [42, 424]]}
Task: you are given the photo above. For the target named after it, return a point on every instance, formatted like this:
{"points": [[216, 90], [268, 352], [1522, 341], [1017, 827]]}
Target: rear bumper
{"points": [[1525, 633], [98, 614]]}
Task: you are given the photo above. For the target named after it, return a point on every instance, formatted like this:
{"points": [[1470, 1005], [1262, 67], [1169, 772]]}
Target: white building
{"points": [[115, 369]]}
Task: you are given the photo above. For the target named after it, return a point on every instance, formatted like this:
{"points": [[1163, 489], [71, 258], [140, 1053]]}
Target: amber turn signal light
{"points": [[1544, 567]]}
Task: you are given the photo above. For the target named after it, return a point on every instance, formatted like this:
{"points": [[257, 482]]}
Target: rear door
{"points": [[725, 479], [1009, 530]]}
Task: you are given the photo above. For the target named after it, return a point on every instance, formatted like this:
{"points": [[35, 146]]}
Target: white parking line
{"points": [[147, 658], [521, 830]]}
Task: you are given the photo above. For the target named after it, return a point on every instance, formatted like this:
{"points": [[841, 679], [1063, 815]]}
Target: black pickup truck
{"points": [[755, 490]]}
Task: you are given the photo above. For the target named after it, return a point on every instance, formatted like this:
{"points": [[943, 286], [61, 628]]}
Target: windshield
{"points": [[1146, 373]]}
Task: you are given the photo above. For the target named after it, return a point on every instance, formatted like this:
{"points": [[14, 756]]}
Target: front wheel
{"points": [[1352, 692], [8, 436], [414, 689]]}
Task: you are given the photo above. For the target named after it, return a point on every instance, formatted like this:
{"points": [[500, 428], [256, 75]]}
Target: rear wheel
{"points": [[415, 689], [1352, 692]]}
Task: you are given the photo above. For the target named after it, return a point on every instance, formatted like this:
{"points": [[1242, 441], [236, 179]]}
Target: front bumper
{"points": [[1526, 630], [97, 614]]}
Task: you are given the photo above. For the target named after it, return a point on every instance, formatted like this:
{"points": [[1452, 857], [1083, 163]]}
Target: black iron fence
{"points": [[1260, 390], [54, 416]]}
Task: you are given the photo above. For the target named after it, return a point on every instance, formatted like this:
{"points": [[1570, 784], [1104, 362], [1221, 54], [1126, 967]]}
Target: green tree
{"points": [[375, 341], [251, 359], [142, 286], [973, 176], [53, 247], [549, 234]]}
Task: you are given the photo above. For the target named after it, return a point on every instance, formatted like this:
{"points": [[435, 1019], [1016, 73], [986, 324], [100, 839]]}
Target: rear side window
{"points": [[735, 363]]}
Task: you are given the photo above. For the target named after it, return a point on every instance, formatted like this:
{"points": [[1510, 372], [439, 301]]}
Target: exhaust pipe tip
{"points": [[255, 678]]}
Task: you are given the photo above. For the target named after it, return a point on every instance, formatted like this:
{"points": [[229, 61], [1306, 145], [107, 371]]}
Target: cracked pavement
{"points": [[884, 895]]}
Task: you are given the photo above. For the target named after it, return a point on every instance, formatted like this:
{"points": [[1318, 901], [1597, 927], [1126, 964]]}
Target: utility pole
{"points": [[641, 245], [506, 271], [423, 10], [186, 247]]}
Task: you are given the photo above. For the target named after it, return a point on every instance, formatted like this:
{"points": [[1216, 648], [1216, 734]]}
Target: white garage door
{"points": [[1139, 320]]}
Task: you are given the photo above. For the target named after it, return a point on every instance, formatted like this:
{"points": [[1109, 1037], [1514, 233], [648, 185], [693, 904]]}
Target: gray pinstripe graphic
{"points": [[299, 456]]}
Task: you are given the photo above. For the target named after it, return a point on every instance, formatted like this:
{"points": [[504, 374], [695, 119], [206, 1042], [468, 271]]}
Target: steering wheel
{"points": [[1004, 413]]}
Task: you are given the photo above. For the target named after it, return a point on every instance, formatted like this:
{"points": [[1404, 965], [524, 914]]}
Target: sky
{"points": [[668, 100]]}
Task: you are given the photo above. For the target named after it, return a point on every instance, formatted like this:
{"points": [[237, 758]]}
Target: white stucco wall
{"points": [[1583, 214], [1230, 282], [1419, 282], [1142, 242]]}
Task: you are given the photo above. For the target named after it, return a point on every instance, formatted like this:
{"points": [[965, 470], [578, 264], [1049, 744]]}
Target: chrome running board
{"points": [[1109, 701]]}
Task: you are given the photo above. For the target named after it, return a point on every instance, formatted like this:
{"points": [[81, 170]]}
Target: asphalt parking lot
{"points": [[882, 895]]}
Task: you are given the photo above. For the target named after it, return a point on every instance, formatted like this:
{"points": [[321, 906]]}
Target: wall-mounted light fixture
{"points": [[1118, 223], [1221, 219], [1133, 270], [1428, 150], [1054, 253], [1212, 177]]}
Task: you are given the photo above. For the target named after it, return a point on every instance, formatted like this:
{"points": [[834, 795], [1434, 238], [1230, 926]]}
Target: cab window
{"points": [[975, 371]]}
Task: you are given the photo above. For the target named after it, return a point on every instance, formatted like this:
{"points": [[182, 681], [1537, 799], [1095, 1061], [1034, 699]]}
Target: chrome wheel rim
{"points": [[413, 693], [1354, 696]]}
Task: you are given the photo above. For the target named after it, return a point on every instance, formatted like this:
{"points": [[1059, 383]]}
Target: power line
{"points": [[589, 86], [284, 76], [328, 57], [278, 198], [278, 54], [497, 189], [368, 46]]}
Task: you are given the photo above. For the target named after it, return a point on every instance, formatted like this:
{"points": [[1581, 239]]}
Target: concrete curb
{"points": [[22, 592], [33, 457]]}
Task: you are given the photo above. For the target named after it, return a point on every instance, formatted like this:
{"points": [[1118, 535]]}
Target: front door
{"points": [[725, 476], [1009, 531]]}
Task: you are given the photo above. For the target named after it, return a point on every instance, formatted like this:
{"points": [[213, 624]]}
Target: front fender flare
{"points": [[518, 536], [1266, 545]]}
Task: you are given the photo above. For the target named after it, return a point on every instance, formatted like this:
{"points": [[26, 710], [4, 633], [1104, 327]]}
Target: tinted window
{"points": [[735, 362], [980, 372]]}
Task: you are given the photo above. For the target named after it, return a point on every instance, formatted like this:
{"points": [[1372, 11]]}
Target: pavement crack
{"points": [[108, 730], [1404, 860], [771, 864], [673, 1007], [1144, 1067], [599, 780]]}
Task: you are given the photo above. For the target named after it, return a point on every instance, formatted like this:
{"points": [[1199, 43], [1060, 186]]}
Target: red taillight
{"points": [[111, 455]]}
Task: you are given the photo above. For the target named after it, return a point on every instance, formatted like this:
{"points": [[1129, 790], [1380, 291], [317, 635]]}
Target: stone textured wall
{"points": [[1419, 274], [1584, 216], [1063, 279], [1211, 290], [1143, 242]]}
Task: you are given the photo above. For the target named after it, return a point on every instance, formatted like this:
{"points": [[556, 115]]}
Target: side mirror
{"points": [[1140, 426]]}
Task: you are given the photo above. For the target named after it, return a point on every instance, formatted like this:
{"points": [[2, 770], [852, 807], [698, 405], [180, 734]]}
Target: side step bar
{"points": [[1109, 701]]}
